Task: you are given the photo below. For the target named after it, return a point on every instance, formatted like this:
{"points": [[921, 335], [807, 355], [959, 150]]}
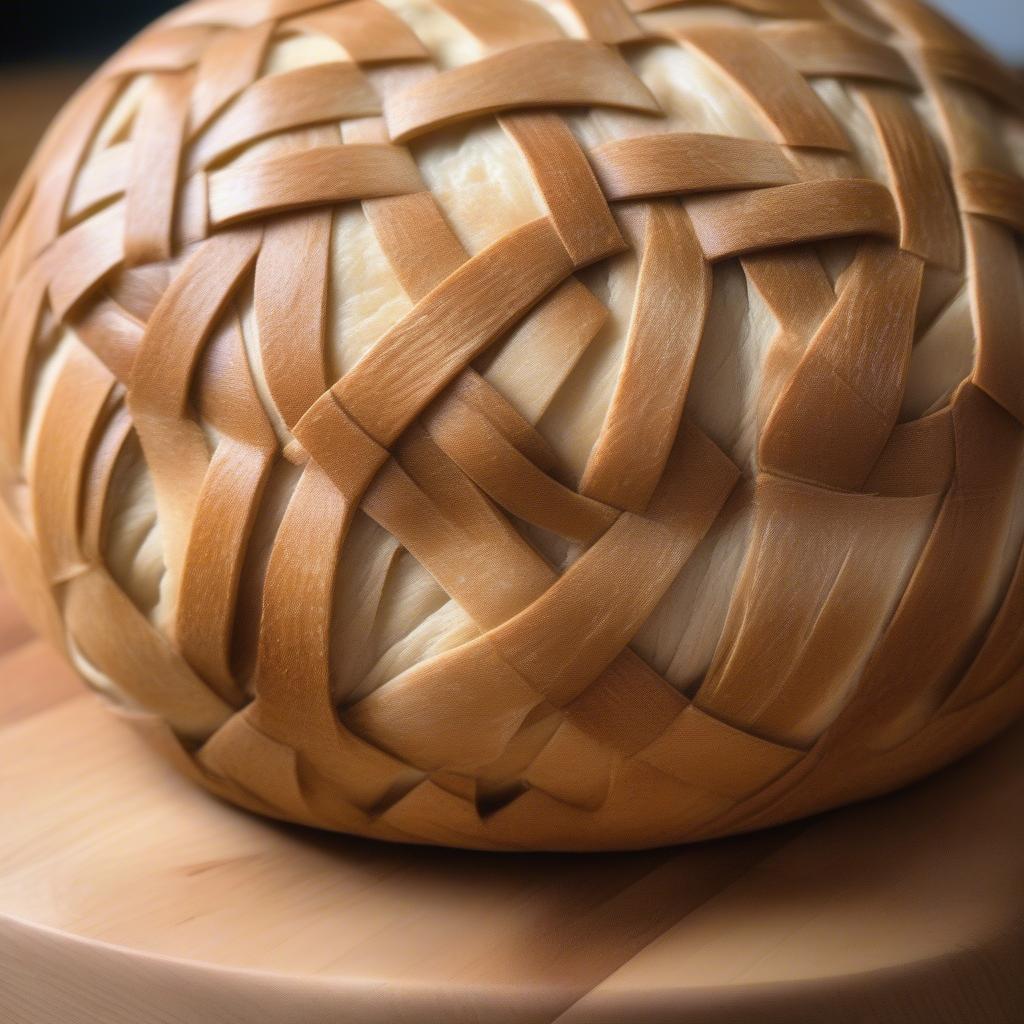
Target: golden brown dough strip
{"points": [[607, 21], [367, 30], [789, 105], [152, 187], [834, 50], [293, 99], [421, 354], [292, 273], [929, 225], [499, 469], [66, 435], [312, 177], [993, 194], [673, 293], [565, 72], [997, 298], [681, 162], [503, 24], [225, 510], [741, 222], [855, 368], [83, 256], [575, 202], [228, 65]]}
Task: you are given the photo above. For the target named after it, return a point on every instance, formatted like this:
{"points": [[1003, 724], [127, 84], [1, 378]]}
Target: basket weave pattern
{"points": [[874, 629]]}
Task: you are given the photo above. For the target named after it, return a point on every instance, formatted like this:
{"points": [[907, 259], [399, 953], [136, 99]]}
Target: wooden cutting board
{"points": [[129, 897]]}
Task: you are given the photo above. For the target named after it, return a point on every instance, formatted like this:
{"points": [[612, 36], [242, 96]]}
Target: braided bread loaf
{"points": [[528, 423]]}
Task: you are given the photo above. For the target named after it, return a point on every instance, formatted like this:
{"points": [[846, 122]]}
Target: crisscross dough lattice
{"points": [[528, 423]]}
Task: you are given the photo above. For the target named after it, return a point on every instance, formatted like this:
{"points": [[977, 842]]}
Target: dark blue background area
{"points": [[39, 29]]}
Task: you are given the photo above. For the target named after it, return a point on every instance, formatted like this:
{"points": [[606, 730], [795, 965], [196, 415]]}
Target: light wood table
{"points": [[129, 897]]}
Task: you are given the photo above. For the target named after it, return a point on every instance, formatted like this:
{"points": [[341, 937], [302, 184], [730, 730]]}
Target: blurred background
{"points": [[83, 29], [48, 47], [997, 23]]}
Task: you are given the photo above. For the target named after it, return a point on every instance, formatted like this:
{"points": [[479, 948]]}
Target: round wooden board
{"points": [[129, 897]]}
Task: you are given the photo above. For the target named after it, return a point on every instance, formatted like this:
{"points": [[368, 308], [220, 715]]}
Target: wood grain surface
{"points": [[128, 896]]}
